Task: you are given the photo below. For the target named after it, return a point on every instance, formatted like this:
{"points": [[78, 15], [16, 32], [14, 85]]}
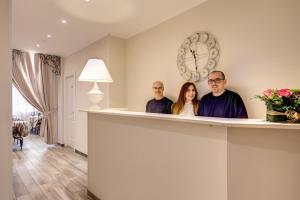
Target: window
{"points": [[21, 109]]}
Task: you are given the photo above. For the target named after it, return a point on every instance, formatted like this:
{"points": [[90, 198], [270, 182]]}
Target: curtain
{"points": [[38, 84], [47, 92]]}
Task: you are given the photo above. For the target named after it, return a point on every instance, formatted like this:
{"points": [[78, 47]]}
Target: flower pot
{"points": [[275, 116]]}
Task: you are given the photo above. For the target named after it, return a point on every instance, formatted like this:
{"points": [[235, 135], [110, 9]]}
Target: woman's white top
{"points": [[188, 109]]}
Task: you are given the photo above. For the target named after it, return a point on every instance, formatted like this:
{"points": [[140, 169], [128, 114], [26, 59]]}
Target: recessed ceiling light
{"points": [[87, 0], [64, 21], [38, 45], [49, 36]]}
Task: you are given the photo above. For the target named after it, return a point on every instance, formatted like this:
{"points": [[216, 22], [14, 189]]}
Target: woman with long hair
{"points": [[187, 103]]}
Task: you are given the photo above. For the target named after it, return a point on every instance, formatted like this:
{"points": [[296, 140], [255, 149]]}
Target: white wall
{"points": [[111, 50], [259, 43], [5, 105], [116, 63]]}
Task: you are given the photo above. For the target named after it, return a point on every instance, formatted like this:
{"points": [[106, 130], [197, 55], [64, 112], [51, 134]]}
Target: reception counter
{"points": [[145, 156]]}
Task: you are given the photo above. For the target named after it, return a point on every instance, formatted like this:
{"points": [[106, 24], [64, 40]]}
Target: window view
{"points": [[26, 118], [21, 109]]}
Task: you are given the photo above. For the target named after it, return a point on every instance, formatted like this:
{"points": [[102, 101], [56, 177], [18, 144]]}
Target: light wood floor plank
{"points": [[19, 187], [48, 172]]}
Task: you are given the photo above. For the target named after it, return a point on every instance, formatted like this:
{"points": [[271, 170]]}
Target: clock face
{"points": [[197, 56]]}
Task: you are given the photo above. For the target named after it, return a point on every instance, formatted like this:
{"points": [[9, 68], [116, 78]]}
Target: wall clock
{"points": [[197, 56]]}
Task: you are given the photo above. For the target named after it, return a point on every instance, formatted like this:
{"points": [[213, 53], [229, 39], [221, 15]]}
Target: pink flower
{"points": [[284, 93], [268, 92]]}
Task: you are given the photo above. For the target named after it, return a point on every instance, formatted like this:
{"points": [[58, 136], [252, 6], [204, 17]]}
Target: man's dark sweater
{"points": [[159, 106], [227, 105]]}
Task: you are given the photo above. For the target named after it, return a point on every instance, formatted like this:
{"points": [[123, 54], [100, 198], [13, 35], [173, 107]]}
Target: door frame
{"points": [[65, 135]]}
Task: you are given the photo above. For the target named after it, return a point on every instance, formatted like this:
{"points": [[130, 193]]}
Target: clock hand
{"points": [[195, 58]]}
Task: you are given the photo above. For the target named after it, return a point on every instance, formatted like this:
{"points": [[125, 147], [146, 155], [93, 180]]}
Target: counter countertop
{"points": [[213, 121]]}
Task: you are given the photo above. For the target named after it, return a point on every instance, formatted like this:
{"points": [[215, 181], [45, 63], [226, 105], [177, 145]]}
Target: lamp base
{"points": [[95, 97]]}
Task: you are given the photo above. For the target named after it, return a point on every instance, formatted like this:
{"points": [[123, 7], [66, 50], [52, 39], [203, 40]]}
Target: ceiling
{"points": [[87, 22]]}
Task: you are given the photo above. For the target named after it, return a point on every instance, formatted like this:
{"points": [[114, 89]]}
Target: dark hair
{"points": [[217, 71], [178, 105]]}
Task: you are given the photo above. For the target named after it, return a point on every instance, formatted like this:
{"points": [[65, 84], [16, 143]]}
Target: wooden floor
{"points": [[48, 172]]}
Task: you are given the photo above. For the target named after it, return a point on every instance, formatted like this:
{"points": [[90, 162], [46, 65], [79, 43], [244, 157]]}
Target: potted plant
{"points": [[282, 104]]}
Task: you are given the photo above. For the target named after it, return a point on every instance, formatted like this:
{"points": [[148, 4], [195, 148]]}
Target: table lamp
{"points": [[95, 71]]}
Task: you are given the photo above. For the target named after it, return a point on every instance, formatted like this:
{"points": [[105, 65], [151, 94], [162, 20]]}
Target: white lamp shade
{"points": [[95, 71]]}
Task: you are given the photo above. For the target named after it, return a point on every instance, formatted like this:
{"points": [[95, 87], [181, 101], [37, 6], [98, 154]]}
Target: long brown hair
{"points": [[179, 104]]}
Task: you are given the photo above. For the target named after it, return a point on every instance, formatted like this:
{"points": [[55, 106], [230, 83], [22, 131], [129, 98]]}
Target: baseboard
{"points": [[80, 153], [94, 197], [59, 144]]}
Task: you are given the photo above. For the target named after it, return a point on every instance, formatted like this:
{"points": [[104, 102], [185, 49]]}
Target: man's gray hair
{"points": [[160, 82]]}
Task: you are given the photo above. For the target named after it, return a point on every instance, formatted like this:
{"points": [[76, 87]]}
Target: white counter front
{"points": [[144, 156]]}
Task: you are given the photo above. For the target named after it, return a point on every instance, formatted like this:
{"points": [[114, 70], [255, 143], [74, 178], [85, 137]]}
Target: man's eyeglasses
{"points": [[217, 81], [157, 88]]}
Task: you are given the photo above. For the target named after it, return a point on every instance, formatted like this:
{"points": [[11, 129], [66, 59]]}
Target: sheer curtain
{"points": [[20, 107]]}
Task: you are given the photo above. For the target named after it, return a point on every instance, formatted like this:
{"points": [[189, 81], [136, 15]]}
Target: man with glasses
{"points": [[221, 102], [159, 104]]}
